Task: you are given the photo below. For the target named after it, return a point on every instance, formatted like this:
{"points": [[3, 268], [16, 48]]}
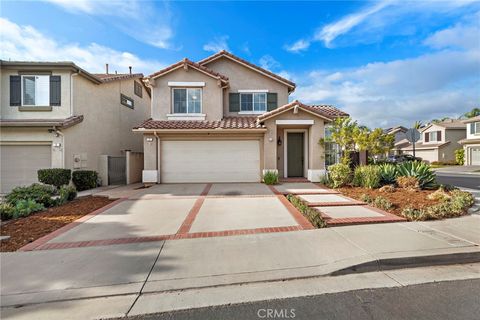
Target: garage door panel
{"points": [[210, 161], [20, 163], [475, 152]]}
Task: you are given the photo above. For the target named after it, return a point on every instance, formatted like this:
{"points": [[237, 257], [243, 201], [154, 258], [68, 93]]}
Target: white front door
{"points": [[210, 161]]}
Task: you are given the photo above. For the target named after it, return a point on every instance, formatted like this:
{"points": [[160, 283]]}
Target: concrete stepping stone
{"points": [[315, 200], [342, 212]]}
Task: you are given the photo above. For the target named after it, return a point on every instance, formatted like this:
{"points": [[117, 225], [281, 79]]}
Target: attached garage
{"points": [[19, 164], [475, 156], [210, 161]]}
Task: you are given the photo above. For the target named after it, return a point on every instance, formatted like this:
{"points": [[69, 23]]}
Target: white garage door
{"points": [[210, 161], [19, 164], [475, 156]]}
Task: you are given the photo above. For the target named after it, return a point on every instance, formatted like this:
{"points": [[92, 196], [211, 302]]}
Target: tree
{"points": [[472, 113]]}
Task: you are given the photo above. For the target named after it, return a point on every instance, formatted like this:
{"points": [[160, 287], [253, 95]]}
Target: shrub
{"points": [[340, 174], [270, 177], [367, 177], [67, 193], [439, 195], [24, 208], [55, 177], [366, 198], [460, 156], [389, 188], [84, 179], [311, 214], [382, 203], [388, 173], [7, 211], [420, 170], [407, 182], [325, 180], [40, 193], [413, 214]]}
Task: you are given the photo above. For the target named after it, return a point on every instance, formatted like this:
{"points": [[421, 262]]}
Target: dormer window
{"points": [[255, 102], [187, 100]]}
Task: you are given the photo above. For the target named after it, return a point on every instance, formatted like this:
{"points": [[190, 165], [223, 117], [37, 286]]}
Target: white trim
{"points": [[251, 112], [186, 116], [253, 91], [285, 150], [253, 102], [185, 84], [298, 122]]}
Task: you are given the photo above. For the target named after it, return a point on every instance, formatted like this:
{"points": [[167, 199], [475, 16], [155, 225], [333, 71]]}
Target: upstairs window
{"points": [[476, 127], [137, 88], [126, 101], [253, 102], [187, 100], [35, 90], [434, 136]]}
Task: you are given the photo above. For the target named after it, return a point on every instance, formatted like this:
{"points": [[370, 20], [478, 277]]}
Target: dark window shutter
{"points": [[472, 128], [271, 101], [15, 91], [55, 91], [234, 102], [427, 137], [439, 135]]}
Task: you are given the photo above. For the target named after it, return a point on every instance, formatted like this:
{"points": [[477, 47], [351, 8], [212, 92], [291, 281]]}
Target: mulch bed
{"points": [[400, 198], [25, 230]]}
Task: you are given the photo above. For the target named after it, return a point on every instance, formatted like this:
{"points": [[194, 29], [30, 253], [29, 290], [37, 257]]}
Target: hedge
{"points": [[56, 177], [84, 179]]}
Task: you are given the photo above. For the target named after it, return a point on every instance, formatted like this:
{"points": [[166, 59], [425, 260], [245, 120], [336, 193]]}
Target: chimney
{"points": [[106, 68], [130, 68]]}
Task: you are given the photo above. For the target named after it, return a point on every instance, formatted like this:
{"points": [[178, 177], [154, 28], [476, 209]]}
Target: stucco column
{"points": [[150, 159], [316, 152]]}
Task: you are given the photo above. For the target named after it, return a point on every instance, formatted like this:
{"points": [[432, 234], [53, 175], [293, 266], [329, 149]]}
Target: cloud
{"points": [[298, 46], [268, 62], [458, 36], [217, 44], [26, 43], [138, 19]]}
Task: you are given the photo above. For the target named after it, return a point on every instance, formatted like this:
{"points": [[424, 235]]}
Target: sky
{"points": [[386, 63]]}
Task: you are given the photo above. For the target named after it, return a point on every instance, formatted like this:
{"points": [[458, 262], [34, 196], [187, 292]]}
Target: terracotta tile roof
{"points": [[325, 111], [225, 123], [234, 57], [191, 64], [117, 76]]}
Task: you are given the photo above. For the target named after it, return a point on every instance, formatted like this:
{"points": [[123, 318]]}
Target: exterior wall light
{"points": [[149, 139], [279, 141]]}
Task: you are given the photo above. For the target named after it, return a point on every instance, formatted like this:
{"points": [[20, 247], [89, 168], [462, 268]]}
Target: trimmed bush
{"points": [[460, 156], [340, 175], [84, 179], [67, 193], [420, 170], [55, 177], [388, 173], [311, 214], [270, 177], [39, 193], [27, 207], [367, 176], [7, 211]]}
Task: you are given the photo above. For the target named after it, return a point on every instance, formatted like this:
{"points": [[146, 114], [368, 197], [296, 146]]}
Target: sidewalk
{"points": [[120, 276]]}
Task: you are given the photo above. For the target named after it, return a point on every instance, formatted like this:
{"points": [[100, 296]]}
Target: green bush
{"points": [[420, 170], [25, 208], [388, 173], [67, 193], [382, 203], [367, 176], [413, 214], [311, 214], [460, 156], [270, 177], [40, 193], [340, 175], [84, 179], [7, 211], [366, 198], [55, 177]]}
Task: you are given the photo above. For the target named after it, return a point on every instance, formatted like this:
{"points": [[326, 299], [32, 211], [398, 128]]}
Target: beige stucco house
{"points": [[57, 115], [438, 141], [224, 119], [471, 143]]}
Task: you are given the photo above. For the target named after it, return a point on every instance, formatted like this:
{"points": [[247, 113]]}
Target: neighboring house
{"points": [[399, 134], [471, 144], [224, 119], [438, 141], [57, 115]]}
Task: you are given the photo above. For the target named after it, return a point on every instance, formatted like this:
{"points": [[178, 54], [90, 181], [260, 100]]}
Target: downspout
{"points": [[71, 92], [158, 156]]}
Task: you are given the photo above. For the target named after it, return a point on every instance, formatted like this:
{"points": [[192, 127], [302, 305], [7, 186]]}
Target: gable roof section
{"points": [[323, 111], [291, 85], [447, 124], [188, 63]]}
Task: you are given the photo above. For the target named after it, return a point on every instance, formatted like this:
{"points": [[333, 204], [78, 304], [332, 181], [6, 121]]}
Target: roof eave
{"points": [[218, 130]]}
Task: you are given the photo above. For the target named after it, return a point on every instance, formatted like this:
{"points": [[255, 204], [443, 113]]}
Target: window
{"points": [[35, 90], [137, 88], [126, 101], [253, 102], [476, 127], [332, 150], [432, 136], [187, 100]]}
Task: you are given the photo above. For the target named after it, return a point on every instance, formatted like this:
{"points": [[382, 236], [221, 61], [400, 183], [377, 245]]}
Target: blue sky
{"points": [[385, 62]]}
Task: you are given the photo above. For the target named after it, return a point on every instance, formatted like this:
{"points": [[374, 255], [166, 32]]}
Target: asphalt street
{"points": [[436, 301], [460, 180]]}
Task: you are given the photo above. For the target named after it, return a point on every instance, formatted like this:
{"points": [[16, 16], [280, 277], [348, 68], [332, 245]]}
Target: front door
{"points": [[295, 154]]}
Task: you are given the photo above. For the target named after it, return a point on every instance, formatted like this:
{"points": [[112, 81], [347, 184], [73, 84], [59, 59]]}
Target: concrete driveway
{"points": [[178, 211]]}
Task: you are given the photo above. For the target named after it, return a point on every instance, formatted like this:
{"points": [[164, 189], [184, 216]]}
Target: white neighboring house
{"points": [[57, 115], [471, 144]]}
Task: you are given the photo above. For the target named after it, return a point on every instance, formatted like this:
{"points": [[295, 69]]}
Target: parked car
{"points": [[399, 158]]}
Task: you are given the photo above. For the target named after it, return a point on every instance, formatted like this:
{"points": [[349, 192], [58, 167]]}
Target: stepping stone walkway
{"points": [[336, 208]]}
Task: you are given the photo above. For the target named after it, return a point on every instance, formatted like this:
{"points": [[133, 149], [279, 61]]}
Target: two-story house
{"points": [[224, 119], [438, 141], [57, 115], [399, 133], [471, 144]]}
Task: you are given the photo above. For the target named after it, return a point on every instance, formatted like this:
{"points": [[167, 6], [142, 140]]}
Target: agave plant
{"points": [[420, 170], [388, 172]]}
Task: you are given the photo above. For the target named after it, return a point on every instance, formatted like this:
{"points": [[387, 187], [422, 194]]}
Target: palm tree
{"points": [[472, 113], [417, 125]]}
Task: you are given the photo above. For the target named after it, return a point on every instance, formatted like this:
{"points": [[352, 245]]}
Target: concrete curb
{"points": [[411, 262], [458, 172]]}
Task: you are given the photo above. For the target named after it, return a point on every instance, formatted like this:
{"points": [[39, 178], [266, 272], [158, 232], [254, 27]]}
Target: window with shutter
{"points": [[35, 90], [272, 99]]}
